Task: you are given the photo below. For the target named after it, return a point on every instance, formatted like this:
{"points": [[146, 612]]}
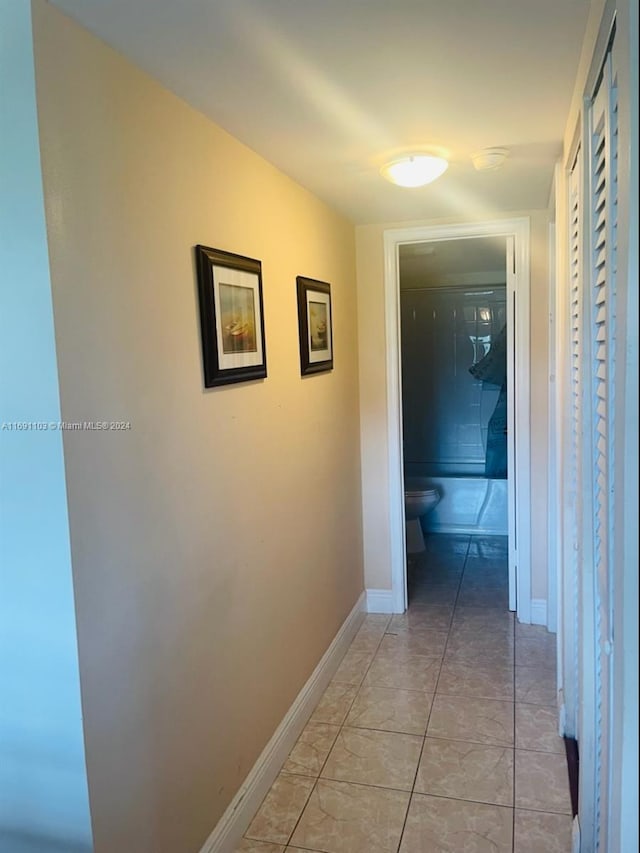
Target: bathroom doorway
{"points": [[453, 347], [475, 277]]}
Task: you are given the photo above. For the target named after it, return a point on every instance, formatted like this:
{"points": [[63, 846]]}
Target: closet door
{"points": [[588, 650], [603, 199], [573, 537]]}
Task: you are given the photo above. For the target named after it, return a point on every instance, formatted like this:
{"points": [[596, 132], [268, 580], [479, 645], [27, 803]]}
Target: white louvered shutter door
{"points": [[603, 190], [577, 415]]}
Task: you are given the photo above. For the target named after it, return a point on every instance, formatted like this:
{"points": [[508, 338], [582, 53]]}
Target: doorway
{"points": [[513, 235]]}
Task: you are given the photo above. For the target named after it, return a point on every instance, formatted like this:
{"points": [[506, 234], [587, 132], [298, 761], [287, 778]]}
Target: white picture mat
{"points": [[323, 354], [237, 278]]}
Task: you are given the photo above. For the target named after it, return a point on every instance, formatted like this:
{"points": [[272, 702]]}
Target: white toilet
{"points": [[420, 497]]}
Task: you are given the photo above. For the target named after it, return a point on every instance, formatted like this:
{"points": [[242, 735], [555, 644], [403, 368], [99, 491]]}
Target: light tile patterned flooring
{"points": [[438, 733]]}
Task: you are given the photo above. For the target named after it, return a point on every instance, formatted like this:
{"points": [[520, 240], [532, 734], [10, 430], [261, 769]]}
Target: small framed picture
{"points": [[231, 317], [314, 325]]}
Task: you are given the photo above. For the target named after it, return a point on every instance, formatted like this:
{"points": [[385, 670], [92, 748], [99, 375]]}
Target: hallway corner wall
{"points": [[216, 543], [44, 803]]}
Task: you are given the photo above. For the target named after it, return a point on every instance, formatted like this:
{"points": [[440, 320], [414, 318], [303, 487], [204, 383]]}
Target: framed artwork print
{"points": [[231, 317], [314, 325]]}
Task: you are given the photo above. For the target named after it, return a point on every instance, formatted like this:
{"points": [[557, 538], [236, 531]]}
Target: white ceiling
{"points": [[328, 90]]}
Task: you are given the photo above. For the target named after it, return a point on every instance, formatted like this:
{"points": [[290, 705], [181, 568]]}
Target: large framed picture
{"points": [[231, 317], [314, 325]]}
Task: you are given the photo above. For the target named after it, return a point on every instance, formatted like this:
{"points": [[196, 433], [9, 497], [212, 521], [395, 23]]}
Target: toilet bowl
{"points": [[420, 496]]}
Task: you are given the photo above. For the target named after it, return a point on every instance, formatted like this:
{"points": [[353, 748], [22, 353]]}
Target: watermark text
{"points": [[59, 426]]}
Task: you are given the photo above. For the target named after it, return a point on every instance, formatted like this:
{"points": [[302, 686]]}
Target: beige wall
{"points": [[217, 544], [373, 404]]}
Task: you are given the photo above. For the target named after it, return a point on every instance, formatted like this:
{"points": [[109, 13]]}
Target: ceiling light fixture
{"points": [[489, 158], [414, 170]]}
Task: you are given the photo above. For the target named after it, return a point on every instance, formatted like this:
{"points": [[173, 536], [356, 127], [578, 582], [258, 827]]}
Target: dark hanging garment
{"points": [[496, 459], [492, 369]]}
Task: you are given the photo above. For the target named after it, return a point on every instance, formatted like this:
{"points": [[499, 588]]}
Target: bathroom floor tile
{"points": [[542, 782], [488, 630], [484, 586], [495, 570], [344, 818], [369, 635], [485, 658], [464, 646], [481, 721], [447, 543], [536, 652], [417, 672], [533, 632], [432, 618], [487, 546], [482, 620], [391, 709], [482, 572], [466, 771], [247, 845], [537, 831], [537, 729], [366, 643], [334, 705], [311, 750], [353, 667], [535, 685], [279, 813], [441, 566], [422, 594], [475, 681], [436, 570], [437, 825], [489, 598], [376, 621], [433, 594], [437, 573], [414, 642], [368, 757]]}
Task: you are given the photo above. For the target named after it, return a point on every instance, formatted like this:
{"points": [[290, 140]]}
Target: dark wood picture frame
{"points": [[315, 325], [231, 317]]}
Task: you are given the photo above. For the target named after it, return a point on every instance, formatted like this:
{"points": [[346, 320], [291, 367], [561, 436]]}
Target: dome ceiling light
{"points": [[489, 158], [414, 170]]}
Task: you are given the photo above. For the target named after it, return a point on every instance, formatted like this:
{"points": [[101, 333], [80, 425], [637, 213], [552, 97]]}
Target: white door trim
{"points": [[512, 431], [552, 496], [519, 230]]}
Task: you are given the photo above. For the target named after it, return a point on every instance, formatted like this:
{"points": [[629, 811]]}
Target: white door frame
{"points": [[552, 444], [519, 480]]}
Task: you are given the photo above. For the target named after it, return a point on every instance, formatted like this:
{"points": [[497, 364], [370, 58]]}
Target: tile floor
{"points": [[438, 733]]}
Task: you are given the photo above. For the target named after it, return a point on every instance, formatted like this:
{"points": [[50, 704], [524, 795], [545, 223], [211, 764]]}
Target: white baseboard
{"points": [[562, 718], [538, 611], [575, 835], [234, 822], [380, 601]]}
